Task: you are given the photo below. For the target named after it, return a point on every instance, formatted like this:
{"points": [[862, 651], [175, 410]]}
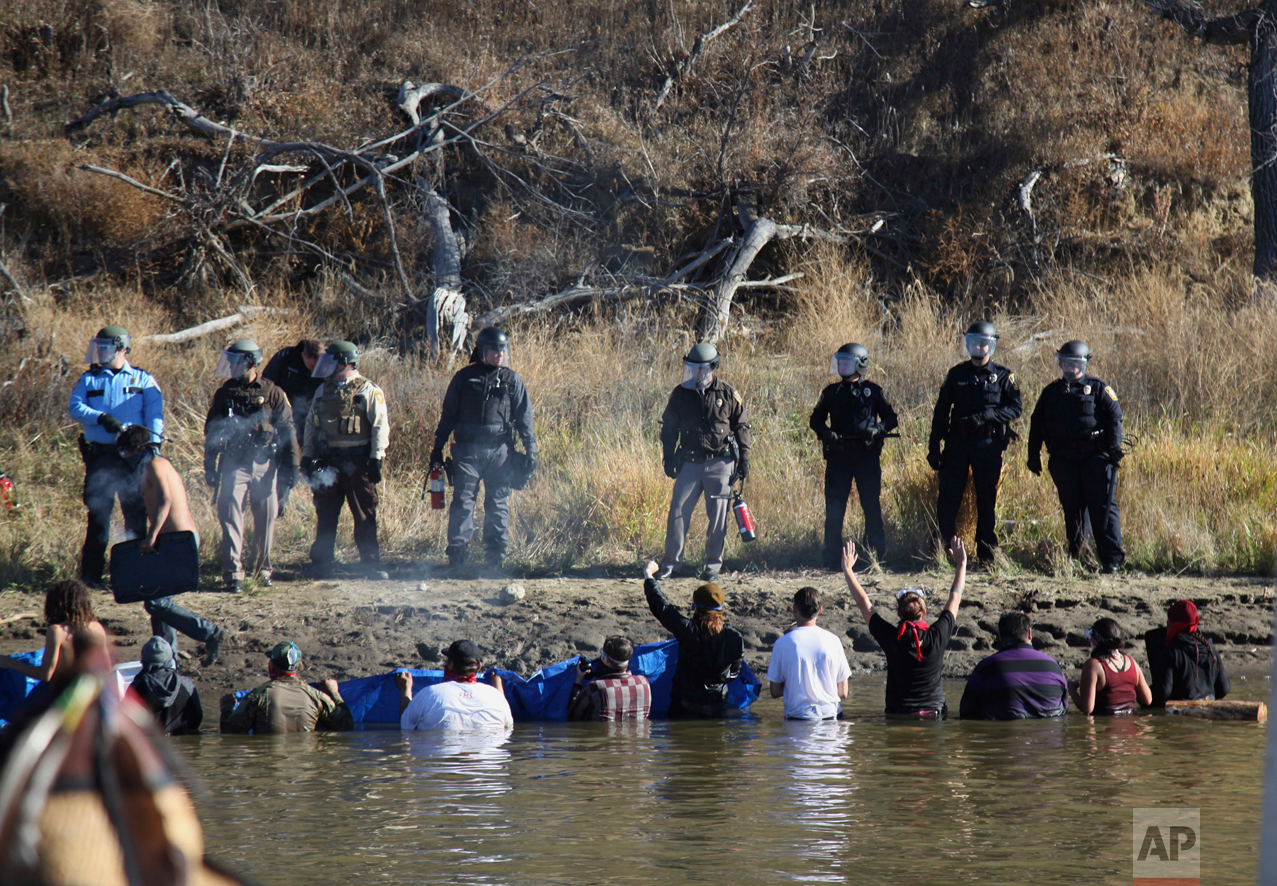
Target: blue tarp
{"points": [[544, 695], [14, 687]]}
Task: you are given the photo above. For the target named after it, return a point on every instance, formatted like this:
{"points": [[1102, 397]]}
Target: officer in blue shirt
{"points": [[108, 398]]}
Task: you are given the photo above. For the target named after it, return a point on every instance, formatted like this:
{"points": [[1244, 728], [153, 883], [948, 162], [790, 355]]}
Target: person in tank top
{"points": [[1111, 683]]}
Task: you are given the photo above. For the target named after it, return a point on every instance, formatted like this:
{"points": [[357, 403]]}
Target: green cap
{"points": [[285, 656]]}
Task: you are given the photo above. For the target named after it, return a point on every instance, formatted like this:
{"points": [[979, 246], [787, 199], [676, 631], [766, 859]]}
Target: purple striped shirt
{"points": [[1017, 683]]}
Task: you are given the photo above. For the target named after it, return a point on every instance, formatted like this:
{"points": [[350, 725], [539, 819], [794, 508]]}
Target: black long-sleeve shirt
{"points": [[1187, 670], [706, 662], [850, 408]]}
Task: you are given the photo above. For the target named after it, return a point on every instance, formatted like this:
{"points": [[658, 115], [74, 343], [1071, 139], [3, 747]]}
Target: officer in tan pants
{"points": [[702, 417], [250, 445], [347, 433]]}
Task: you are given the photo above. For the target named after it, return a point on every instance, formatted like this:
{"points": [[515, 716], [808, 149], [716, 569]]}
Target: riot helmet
{"points": [[238, 359], [337, 357], [981, 340], [1073, 357], [491, 338], [848, 360], [699, 366], [109, 341]]}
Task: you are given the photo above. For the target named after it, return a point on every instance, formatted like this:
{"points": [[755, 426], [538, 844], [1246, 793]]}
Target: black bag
{"points": [[174, 568]]}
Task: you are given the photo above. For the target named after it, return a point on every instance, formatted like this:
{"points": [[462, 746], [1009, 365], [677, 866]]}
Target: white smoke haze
{"points": [[323, 479]]}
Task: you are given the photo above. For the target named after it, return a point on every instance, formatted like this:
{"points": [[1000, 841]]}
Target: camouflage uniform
{"points": [[287, 704]]}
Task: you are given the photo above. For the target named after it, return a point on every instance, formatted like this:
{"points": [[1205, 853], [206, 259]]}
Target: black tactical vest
{"points": [[484, 406], [1074, 414]]}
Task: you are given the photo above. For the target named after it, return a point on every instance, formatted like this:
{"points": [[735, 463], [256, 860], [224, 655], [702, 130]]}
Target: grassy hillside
{"points": [[906, 127]]}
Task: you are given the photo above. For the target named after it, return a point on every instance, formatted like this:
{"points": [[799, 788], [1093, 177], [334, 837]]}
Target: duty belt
{"points": [[696, 456]]}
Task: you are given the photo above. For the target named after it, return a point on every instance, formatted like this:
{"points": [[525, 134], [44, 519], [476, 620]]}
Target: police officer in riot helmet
{"points": [[250, 452], [1080, 421], [347, 433], [705, 444], [111, 396], [291, 369], [977, 402], [485, 407], [851, 419]]}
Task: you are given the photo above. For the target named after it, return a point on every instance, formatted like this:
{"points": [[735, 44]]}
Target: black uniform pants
{"points": [[475, 463], [1088, 486], [840, 470], [107, 476], [345, 481], [982, 459]]}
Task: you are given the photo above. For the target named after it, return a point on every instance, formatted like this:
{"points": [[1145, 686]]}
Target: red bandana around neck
{"points": [[918, 626], [460, 678]]}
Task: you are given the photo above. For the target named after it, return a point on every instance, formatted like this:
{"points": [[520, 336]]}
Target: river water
{"points": [[758, 800]]}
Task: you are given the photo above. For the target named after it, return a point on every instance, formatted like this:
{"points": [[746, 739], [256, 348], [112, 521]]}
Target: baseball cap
{"points": [[157, 651], [285, 656], [708, 596], [465, 653]]}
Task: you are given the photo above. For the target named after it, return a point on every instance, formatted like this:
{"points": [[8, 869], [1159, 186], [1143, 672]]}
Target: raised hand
{"points": [[957, 553], [848, 557]]}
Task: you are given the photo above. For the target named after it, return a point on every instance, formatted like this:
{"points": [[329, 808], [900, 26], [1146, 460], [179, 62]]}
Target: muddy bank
{"points": [[355, 628]]}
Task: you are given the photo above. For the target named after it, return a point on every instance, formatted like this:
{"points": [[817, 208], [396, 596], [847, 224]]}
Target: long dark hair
{"points": [[68, 602], [1108, 637]]}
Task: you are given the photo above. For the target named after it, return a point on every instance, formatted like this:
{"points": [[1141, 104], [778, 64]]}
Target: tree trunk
{"points": [[1263, 140], [1220, 710]]}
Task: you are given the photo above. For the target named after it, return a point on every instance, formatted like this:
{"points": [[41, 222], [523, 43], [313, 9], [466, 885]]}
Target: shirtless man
{"points": [[167, 510]]}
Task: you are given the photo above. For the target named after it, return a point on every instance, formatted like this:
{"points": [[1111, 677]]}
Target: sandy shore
{"points": [[352, 628]]}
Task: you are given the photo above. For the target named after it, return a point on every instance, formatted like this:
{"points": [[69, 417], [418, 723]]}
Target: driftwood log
{"points": [[1224, 709], [228, 322]]}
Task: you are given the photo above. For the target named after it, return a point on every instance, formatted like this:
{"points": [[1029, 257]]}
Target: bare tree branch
{"points": [[127, 179], [697, 48]]}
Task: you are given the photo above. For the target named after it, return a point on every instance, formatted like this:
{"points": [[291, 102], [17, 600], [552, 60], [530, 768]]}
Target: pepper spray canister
{"points": [[744, 519]]}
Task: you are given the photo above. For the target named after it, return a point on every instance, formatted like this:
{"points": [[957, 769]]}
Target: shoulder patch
{"points": [[736, 394], [1108, 389], [381, 398], [1011, 378]]}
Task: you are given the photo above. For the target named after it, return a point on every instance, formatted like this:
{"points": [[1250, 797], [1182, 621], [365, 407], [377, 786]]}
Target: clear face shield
{"points": [[326, 365], [101, 350], [1072, 367], [697, 376], [496, 355], [233, 365], [979, 346], [847, 365]]}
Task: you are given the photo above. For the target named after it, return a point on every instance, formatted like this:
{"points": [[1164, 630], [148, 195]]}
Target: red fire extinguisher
{"points": [[434, 483], [744, 520]]}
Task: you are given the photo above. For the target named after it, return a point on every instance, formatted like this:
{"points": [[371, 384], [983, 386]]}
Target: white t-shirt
{"points": [[452, 705], [811, 663]]}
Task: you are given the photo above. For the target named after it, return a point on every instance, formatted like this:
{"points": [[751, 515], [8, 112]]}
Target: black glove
{"points": [[285, 478], [374, 470], [933, 459], [829, 435], [671, 467], [210, 478], [1116, 455], [308, 466], [1035, 465], [111, 423], [742, 468], [436, 455], [532, 463], [989, 415]]}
